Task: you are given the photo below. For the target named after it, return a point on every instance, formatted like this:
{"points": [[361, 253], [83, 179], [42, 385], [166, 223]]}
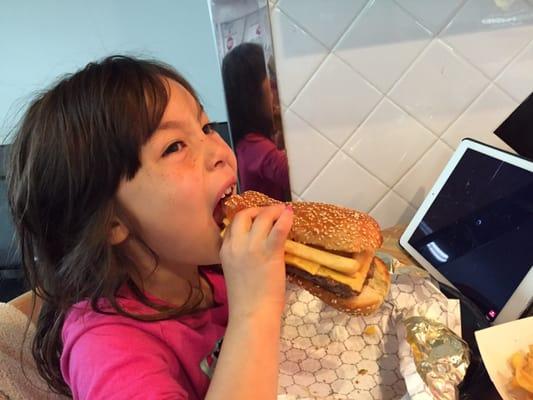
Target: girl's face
{"points": [[172, 203]]}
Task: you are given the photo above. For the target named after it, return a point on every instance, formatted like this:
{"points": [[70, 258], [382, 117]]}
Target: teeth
{"points": [[228, 191]]}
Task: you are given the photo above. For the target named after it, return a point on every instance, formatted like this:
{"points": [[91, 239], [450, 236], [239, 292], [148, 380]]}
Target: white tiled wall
{"points": [[377, 94]]}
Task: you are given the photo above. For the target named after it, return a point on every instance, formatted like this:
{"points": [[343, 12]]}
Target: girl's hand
{"points": [[252, 256]]}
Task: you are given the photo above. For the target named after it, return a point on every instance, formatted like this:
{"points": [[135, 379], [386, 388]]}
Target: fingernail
{"points": [[289, 207]]}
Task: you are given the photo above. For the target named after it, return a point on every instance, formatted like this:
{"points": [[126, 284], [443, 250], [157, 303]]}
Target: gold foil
{"points": [[441, 357]]}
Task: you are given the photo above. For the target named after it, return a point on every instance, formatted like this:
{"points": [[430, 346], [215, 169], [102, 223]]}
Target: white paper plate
{"points": [[497, 344]]}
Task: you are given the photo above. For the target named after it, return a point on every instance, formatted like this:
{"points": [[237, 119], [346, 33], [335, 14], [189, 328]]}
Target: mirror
{"points": [[246, 58]]}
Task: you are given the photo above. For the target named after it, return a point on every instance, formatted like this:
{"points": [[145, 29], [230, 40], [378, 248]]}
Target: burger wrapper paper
{"points": [[327, 354]]}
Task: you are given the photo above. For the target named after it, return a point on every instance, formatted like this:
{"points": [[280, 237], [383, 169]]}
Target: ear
{"points": [[118, 232]]}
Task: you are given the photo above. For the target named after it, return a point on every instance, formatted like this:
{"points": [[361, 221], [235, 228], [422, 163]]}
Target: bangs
{"points": [[143, 92], [147, 100], [102, 116]]}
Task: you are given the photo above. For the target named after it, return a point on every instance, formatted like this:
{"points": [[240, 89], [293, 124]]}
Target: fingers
{"points": [[262, 225], [280, 230], [264, 221], [243, 220]]}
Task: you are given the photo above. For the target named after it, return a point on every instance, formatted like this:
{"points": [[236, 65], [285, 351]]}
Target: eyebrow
{"points": [[200, 110], [172, 124]]}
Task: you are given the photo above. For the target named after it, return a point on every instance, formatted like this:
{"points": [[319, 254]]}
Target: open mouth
{"points": [[218, 213]]}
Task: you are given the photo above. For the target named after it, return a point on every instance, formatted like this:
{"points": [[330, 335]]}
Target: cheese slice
{"points": [[344, 265], [355, 281]]}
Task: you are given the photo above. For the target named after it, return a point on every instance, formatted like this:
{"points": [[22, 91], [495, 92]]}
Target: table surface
{"points": [[391, 245]]}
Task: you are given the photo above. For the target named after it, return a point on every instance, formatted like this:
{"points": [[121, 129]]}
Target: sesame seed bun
{"points": [[325, 225], [336, 229]]}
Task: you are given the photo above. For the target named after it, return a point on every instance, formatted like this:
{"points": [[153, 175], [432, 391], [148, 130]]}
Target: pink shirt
{"points": [[262, 166], [116, 357]]}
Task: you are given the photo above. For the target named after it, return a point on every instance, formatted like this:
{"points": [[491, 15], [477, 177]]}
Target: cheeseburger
{"points": [[330, 252]]}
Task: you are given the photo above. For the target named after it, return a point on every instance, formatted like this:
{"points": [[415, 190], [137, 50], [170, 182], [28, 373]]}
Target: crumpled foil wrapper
{"points": [[435, 358], [327, 354]]}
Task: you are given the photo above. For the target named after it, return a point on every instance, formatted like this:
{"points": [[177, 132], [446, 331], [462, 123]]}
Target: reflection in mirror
{"points": [[243, 37]]}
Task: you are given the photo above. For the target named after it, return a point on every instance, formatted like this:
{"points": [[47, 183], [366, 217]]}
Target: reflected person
{"points": [[262, 165]]}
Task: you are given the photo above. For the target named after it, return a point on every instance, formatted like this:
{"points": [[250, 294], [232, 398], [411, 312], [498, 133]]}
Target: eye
{"points": [[209, 128], [173, 148]]}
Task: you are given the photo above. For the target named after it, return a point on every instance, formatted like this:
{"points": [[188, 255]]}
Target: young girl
{"points": [[115, 186]]}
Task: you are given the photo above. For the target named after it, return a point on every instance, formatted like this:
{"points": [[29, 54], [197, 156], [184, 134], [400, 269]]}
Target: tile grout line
{"points": [[486, 88], [417, 20], [447, 21], [412, 167], [421, 123], [299, 26], [306, 84], [518, 101], [339, 149], [342, 148], [466, 60], [408, 69], [351, 24], [365, 169], [329, 50], [506, 67], [309, 124], [463, 58], [329, 159], [411, 66], [318, 66], [385, 95], [342, 33], [329, 54], [404, 199], [391, 188], [438, 137], [297, 95], [318, 174], [408, 169], [383, 198]]}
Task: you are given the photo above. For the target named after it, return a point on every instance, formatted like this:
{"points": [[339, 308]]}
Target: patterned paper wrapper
{"points": [[327, 354]]}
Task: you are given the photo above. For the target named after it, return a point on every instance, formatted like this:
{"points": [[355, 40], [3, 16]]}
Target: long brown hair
{"points": [[243, 74], [74, 145]]}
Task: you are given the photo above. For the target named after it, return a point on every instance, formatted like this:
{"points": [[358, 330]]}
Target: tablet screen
{"points": [[478, 232]]}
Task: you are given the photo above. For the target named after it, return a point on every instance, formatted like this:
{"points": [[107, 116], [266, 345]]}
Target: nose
{"points": [[218, 153]]}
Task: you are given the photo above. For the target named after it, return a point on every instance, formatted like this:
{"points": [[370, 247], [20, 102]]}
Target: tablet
{"points": [[474, 230]]}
